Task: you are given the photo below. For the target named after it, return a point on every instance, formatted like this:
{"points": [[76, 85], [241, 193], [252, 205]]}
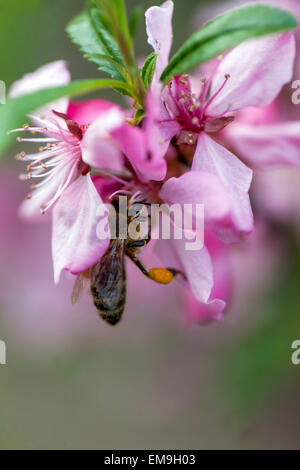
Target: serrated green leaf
{"points": [[227, 31], [84, 34], [102, 28], [12, 114], [149, 69]]}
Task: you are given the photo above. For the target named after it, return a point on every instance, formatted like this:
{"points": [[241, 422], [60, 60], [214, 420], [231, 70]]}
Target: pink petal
{"points": [[258, 69], [267, 145], [236, 178], [86, 112], [75, 244], [199, 187], [49, 75], [160, 33], [144, 154], [105, 186], [270, 114], [98, 149], [159, 131], [198, 269], [204, 313]]}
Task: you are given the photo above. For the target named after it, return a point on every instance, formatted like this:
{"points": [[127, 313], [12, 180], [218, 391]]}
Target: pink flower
{"points": [[62, 166], [66, 185], [252, 74]]}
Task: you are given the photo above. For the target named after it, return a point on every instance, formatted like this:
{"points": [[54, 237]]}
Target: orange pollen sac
{"points": [[161, 275]]}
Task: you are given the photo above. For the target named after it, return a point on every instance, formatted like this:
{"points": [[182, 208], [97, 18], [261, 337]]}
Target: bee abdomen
{"points": [[111, 312]]}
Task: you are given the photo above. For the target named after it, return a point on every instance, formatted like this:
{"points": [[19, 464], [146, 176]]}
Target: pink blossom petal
{"points": [[197, 267], [49, 75], [204, 313], [160, 33], [75, 244], [159, 131], [199, 187], [267, 145], [236, 178], [258, 69], [270, 114], [105, 186], [145, 156], [98, 149], [86, 112]]}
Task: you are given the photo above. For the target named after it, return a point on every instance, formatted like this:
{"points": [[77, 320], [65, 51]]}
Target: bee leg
{"points": [[159, 275], [135, 260]]}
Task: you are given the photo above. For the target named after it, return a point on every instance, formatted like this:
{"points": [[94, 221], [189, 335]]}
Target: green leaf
{"points": [[149, 69], [227, 31], [139, 115], [134, 20], [12, 114], [96, 46], [103, 30]]}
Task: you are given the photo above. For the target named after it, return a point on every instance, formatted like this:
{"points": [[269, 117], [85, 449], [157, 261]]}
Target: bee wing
{"points": [[78, 289]]}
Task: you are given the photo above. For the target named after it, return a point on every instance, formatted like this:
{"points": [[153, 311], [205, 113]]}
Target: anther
{"points": [[183, 80], [29, 196], [25, 126], [19, 156]]}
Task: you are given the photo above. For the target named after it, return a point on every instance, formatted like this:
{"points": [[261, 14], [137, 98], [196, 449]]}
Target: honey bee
{"points": [[108, 276]]}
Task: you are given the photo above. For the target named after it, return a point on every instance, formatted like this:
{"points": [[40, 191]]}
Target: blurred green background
{"points": [[71, 382]]}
